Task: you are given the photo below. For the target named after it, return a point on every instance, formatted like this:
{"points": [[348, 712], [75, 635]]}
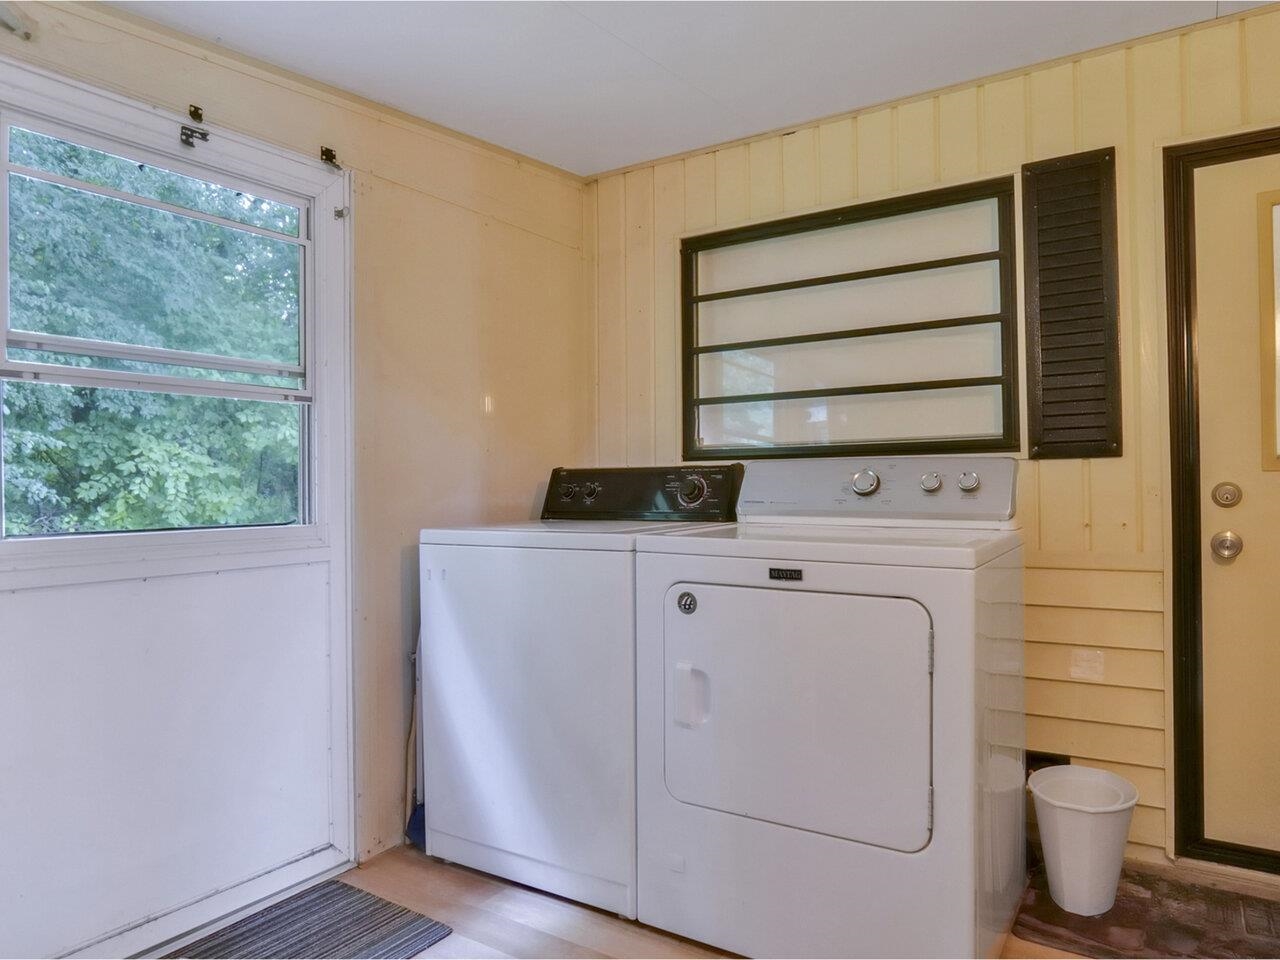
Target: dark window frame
{"points": [[1000, 189]]}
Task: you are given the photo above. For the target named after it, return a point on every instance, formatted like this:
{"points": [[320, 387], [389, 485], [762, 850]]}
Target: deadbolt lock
{"points": [[1227, 494]]}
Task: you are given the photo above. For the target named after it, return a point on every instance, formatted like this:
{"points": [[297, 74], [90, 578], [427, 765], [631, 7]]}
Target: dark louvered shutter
{"points": [[1072, 281]]}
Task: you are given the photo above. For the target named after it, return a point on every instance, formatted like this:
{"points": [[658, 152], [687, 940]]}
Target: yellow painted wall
{"points": [[468, 284], [1095, 528]]}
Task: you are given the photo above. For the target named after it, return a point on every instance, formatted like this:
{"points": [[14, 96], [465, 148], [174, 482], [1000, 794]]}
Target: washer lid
{"points": [[894, 546], [555, 534]]}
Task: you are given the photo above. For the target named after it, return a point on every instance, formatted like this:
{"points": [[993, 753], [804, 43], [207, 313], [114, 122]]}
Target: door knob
{"points": [[1226, 544]]}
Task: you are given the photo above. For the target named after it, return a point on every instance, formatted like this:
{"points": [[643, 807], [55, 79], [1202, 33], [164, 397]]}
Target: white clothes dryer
{"points": [[829, 709]]}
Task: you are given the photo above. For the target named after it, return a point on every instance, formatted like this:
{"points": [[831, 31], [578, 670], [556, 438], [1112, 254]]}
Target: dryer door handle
{"points": [[692, 695]]}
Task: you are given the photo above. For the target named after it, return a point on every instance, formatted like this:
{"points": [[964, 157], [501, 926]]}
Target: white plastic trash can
{"points": [[1084, 815]]}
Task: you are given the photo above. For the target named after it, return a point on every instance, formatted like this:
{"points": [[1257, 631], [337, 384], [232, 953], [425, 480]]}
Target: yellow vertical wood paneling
{"points": [[1053, 111], [668, 223], [1155, 115], [836, 161], [764, 166], [700, 191], [733, 198], [1028, 504], [1003, 108], [1262, 68], [875, 153], [1103, 100], [638, 188], [800, 169], [958, 150], [917, 144], [591, 301], [1115, 488], [1063, 495], [611, 318], [1211, 85]]}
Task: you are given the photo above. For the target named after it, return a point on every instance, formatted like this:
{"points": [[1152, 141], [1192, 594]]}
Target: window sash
{"points": [[88, 376], [696, 400]]}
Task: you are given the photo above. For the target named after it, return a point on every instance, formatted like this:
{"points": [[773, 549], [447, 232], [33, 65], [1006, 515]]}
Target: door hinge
{"points": [[930, 651], [341, 213]]}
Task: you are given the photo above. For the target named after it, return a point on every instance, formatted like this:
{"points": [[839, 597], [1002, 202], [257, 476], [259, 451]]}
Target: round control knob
{"points": [[692, 490], [590, 491], [968, 482], [931, 482], [865, 482], [567, 491]]}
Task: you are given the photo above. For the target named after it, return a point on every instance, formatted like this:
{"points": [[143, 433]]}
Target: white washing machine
{"points": [[527, 673], [829, 709]]}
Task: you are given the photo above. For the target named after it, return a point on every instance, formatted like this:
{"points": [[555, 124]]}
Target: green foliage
{"points": [[80, 459]]}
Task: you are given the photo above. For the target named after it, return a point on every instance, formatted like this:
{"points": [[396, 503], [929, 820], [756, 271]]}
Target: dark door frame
{"points": [[1180, 164]]}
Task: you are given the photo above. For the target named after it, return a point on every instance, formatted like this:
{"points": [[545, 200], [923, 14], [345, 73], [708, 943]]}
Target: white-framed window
{"points": [[164, 331]]}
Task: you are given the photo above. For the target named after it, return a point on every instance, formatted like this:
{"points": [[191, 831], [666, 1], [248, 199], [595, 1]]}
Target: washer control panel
{"points": [[643, 493], [881, 489]]}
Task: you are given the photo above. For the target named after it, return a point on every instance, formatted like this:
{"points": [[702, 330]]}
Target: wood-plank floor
{"points": [[494, 918]]}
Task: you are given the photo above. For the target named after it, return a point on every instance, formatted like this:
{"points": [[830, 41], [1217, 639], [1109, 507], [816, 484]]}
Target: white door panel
{"points": [[811, 710], [172, 739]]}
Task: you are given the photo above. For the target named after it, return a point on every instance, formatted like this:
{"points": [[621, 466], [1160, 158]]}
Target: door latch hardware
{"points": [[330, 156], [196, 112], [687, 602], [1226, 544]]}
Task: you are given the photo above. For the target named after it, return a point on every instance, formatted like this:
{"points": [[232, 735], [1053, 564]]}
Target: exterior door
{"points": [[1234, 548]]}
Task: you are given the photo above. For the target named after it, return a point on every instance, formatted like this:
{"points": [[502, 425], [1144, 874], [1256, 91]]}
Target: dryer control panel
{"points": [[643, 493], [945, 490]]}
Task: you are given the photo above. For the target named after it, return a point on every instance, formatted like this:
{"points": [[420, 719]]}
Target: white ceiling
{"points": [[592, 86]]}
